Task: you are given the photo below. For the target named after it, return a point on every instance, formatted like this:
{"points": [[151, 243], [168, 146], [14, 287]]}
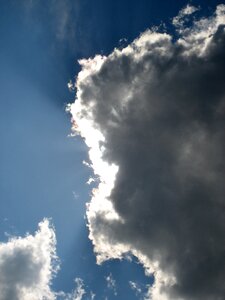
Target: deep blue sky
{"points": [[41, 167]]}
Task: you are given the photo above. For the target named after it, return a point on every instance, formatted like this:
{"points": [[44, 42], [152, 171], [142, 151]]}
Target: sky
{"points": [[112, 150]]}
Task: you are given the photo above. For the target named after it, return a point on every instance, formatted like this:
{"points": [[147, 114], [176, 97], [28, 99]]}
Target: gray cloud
{"points": [[155, 109]]}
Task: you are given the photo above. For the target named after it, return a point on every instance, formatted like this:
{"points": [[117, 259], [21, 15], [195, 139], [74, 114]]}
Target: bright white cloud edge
{"points": [[28, 265], [194, 41]]}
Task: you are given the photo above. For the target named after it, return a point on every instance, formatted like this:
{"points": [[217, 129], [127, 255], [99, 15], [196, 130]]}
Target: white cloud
{"points": [[135, 287], [111, 283], [77, 293], [152, 115], [28, 265], [140, 290], [184, 16]]}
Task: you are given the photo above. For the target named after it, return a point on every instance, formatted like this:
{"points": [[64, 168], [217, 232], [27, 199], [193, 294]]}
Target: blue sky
{"points": [[42, 174]]}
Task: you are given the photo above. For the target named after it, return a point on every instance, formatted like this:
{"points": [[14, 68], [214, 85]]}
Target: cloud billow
{"points": [[153, 115], [28, 265]]}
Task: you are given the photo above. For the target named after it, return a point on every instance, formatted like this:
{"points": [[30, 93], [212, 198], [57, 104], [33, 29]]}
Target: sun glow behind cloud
{"points": [[94, 140], [121, 102]]}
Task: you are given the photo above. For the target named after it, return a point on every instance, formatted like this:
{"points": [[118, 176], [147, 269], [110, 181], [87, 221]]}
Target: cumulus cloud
{"points": [[28, 265], [153, 117]]}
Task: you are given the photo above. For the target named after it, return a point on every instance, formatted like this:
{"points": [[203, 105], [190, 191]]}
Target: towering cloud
{"points": [[153, 117]]}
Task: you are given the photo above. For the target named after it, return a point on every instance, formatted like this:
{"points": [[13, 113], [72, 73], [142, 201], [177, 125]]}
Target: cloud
{"points": [[152, 115], [28, 265], [77, 293], [141, 291], [111, 283], [135, 287], [63, 14], [62, 17], [183, 16]]}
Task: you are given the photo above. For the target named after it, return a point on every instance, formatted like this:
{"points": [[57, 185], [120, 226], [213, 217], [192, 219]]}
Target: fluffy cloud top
{"points": [[153, 116], [28, 265]]}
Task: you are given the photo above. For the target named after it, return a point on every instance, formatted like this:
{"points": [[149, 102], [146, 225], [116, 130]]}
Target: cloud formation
{"points": [[153, 117], [28, 265]]}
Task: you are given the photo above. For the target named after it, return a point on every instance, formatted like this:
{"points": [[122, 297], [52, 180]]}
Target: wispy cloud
{"points": [[76, 294], [184, 16], [135, 287], [152, 115], [111, 283], [63, 18]]}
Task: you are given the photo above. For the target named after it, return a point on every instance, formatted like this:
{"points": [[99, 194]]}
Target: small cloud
{"points": [[28, 265], [75, 195], [111, 283], [71, 86], [79, 292], [90, 180], [135, 287], [87, 164], [142, 291], [183, 16]]}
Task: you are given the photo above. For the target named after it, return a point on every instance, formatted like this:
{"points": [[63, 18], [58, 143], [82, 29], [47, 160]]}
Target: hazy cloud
{"points": [[62, 15]]}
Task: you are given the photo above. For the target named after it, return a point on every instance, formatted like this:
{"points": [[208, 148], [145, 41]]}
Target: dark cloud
{"points": [[160, 107]]}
